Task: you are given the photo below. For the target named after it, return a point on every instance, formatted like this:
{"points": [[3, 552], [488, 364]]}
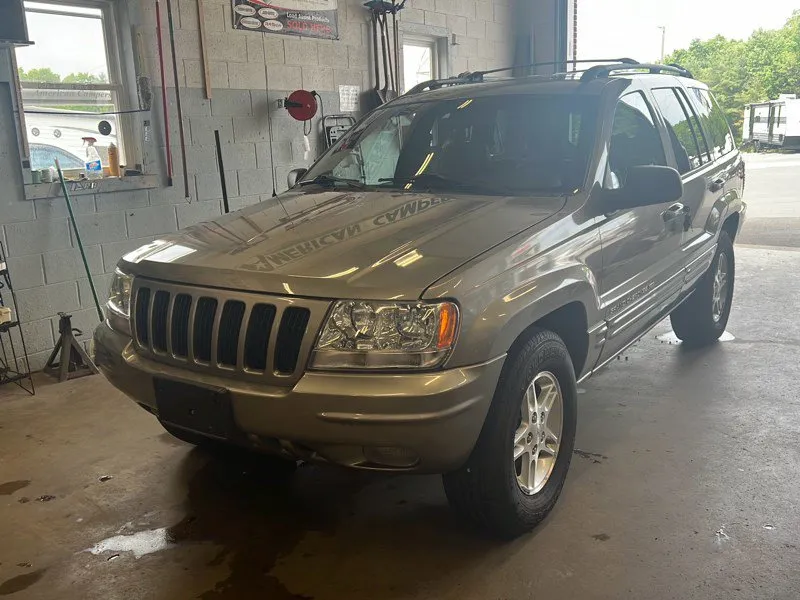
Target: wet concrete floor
{"points": [[685, 485]]}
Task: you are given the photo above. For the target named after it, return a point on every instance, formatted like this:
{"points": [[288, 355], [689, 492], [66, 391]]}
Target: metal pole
{"points": [[164, 93], [663, 42], [178, 97], [575, 35]]}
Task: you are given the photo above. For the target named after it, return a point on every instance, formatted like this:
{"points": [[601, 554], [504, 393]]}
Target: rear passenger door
{"points": [[722, 148], [703, 178], [641, 274]]}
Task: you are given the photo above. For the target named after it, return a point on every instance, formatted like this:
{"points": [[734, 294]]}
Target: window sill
{"points": [[37, 191]]}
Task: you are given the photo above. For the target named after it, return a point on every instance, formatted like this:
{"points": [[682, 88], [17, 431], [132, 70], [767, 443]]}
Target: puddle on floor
{"points": [[671, 338], [140, 544]]}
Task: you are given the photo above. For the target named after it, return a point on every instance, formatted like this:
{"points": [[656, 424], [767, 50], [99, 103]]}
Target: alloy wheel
{"points": [[538, 435]]}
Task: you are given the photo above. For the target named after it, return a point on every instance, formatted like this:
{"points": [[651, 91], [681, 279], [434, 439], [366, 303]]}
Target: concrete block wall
{"points": [[250, 72]]}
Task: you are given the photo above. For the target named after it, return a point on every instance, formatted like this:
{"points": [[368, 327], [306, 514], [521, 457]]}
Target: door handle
{"points": [[678, 211], [675, 211], [717, 184]]}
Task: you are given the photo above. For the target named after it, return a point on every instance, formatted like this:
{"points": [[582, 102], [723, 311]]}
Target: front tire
{"points": [[703, 317], [518, 467]]}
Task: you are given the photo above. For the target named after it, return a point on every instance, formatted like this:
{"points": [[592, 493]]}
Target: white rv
{"points": [[773, 124]]}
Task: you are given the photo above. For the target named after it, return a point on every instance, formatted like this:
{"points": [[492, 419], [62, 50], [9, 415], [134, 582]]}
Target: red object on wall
{"points": [[302, 105]]}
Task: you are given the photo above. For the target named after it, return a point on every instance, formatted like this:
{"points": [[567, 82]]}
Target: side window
{"points": [[681, 132], [714, 122], [694, 122], [635, 139]]}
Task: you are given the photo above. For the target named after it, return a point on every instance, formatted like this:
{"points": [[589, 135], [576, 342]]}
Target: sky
{"points": [[629, 28], [83, 51]]}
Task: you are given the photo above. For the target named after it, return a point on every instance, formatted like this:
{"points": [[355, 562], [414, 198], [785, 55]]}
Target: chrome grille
{"points": [[231, 333]]}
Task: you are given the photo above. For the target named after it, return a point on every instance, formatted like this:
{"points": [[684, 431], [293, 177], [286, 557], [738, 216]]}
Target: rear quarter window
{"points": [[685, 146], [720, 138]]}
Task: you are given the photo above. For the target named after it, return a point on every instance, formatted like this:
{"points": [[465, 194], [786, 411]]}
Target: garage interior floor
{"points": [[685, 485]]}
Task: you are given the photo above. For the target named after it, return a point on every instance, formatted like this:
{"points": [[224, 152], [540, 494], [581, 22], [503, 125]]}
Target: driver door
{"points": [[642, 271]]}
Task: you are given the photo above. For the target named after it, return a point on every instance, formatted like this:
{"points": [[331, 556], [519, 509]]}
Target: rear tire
{"points": [[703, 317], [274, 468], [492, 489]]}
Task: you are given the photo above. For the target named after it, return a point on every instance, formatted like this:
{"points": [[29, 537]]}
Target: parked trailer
{"points": [[773, 124]]}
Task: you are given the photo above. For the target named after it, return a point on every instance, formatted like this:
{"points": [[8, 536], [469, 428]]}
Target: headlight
{"points": [[386, 335], [119, 295]]}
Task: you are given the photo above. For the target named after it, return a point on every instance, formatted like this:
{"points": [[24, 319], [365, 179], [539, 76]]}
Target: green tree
{"points": [[744, 71], [85, 78], [40, 75]]}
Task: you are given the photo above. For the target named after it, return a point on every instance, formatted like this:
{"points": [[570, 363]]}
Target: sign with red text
{"points": [[310, 18]]}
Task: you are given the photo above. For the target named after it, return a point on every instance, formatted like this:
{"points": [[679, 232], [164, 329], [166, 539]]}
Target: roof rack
{"points": [[601, 71], [596, 72], [477, 76]]}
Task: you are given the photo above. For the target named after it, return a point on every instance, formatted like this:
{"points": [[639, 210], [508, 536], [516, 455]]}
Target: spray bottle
{"points": [[92, 162]]}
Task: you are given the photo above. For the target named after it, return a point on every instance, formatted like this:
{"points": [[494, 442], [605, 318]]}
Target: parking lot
{"points": [[683, 485], [773, 197]]}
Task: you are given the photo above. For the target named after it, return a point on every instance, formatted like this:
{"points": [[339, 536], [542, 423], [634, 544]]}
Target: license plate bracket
{"points": [[205, 410]]}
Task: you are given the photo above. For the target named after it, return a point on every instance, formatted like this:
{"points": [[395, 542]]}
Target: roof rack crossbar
{"points": [[601, 71], [629, 61]]}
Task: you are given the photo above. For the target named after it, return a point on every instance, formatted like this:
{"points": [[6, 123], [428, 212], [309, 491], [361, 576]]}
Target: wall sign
{"points": [[310, 18], [348, 98]]}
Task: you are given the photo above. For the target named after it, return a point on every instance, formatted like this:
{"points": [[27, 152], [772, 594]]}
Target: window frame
{"points": [[119, 80], [439, 54]]}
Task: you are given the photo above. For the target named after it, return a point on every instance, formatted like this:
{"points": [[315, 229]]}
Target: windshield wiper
{"points": [[423, 179], [332, 180], [436, 181]]}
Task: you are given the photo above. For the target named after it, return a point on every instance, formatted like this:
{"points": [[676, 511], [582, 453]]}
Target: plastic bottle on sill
{"points": [[92, 163], [113, 160]]}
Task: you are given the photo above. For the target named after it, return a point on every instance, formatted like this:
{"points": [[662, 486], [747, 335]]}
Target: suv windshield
{"points": [[512, 144]]}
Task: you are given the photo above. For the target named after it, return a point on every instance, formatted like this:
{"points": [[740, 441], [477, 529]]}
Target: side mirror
{"points": [[646, 185], [294, 176]]}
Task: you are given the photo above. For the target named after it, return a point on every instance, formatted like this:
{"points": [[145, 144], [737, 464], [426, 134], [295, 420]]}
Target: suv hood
{"points": [[330, 244]]}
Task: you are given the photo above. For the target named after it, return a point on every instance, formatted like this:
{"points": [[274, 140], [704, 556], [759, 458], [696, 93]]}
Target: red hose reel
{"points": [[302, 105]]}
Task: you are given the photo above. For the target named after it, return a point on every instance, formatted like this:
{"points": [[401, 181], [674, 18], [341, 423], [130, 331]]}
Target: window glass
{"points": [[634, 138], [498, 145], [377, 154], [43, 157], [694, 123], [716, 126], [679, 127], [418, 63], [66, 83]]}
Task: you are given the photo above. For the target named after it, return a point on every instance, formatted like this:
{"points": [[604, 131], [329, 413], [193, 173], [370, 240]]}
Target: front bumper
{"points": [[351, 419]]}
